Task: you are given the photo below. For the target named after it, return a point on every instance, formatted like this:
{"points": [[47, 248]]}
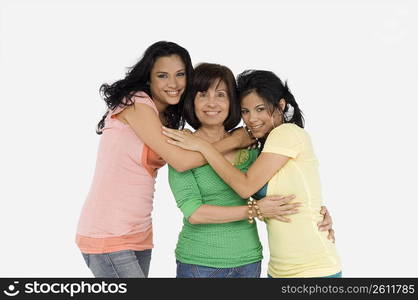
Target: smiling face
{"points": [[167, 81], [212, 106], [257, 116]]}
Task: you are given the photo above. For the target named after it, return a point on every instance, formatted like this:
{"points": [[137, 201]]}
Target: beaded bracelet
{"points": [[257, 209], [253, 204], [250, 211]]}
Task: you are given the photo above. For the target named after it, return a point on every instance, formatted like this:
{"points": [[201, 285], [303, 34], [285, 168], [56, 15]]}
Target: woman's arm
{"points": [[188, 198], [211, 214], [147, 126], [270, 207], [245, 184]]}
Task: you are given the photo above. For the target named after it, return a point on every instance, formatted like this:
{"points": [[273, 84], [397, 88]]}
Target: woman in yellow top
{"points": [[287, 165]]}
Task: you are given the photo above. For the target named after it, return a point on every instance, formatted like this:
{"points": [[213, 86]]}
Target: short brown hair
{"points": [[205, 74]]}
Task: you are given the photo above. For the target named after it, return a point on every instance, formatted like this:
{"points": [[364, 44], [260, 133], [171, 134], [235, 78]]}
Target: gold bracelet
{"points": [[257, 209], [250, 211]]}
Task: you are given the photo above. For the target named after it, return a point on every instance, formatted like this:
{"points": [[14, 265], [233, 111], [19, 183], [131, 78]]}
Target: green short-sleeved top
{"points": [[224, 245]]}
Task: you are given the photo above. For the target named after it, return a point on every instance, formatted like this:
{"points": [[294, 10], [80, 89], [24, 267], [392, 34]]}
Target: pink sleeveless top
{"points": [[117, 212]]}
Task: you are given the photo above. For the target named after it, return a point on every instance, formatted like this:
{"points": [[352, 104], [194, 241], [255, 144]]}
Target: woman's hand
{"points": [[326, 224], [277, 207], [184, 139], [243, 137]]}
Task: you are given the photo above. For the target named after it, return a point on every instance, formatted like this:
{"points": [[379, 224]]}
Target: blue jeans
{"points": [[252, 270], [119, 264], [336, 275]]}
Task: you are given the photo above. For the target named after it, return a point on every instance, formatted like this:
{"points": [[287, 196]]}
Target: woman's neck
{"points": [[160, 107], [211, 134], [161, 110]]}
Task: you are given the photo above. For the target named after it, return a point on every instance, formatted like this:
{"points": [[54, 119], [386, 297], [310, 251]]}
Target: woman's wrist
{"points": [[242, 138], [257, 209], [254, 211], [251, 212], [237, 141], [205, 147]]}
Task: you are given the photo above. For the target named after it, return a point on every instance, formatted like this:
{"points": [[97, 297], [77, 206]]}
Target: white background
{"points": [[352, 65]]}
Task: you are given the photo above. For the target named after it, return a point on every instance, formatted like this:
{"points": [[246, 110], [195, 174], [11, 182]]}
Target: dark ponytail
{"points": [[297, 116]]}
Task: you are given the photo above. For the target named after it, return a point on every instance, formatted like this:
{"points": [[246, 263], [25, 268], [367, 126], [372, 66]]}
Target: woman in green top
{"points": [[216, 240]]}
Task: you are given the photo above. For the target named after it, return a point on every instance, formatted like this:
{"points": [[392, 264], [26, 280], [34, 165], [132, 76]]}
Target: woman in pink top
{"points": [[114, 232]]}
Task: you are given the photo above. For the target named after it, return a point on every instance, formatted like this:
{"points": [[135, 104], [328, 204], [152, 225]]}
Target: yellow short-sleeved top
{"points": [[298, 248]]}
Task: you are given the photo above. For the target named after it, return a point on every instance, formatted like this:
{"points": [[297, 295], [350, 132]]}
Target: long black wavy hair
{"points": [[120, 93], [271, 88]]}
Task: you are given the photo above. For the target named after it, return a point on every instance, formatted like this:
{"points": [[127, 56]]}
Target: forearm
{"points": [[196, 159], [226, 145], [189, 160], [233, 177], [210, 214]]}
